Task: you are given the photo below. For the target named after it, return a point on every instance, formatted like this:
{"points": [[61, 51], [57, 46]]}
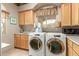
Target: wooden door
{"points": [[66, 14], [75, 14], [22, 18], [17, 40]]}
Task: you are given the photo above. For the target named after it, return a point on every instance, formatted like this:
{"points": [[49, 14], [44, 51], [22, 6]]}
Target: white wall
{"points": [[27, 6], [11, 29]]}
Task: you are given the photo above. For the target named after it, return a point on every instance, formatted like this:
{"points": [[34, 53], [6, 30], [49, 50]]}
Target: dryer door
{"points": [[55, 46], [36, 43]]}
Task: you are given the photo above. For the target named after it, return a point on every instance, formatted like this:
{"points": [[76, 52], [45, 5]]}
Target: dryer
{"points": [[55, 44], [36, 44]]}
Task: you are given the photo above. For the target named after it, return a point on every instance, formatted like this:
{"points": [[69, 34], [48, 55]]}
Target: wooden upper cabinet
{"points": [[26, 18], [66, 14], [22, 18], [29, 17], [75, 14]]}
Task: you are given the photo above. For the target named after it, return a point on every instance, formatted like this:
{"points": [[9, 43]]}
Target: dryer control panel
{"points": [[37, 34], [57, 35]]}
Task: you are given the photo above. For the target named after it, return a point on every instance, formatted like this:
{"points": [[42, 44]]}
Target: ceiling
{"points": [[40, 5], [20, 4]]}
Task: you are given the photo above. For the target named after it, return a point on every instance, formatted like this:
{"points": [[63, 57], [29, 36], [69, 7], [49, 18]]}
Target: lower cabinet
{"points": [[76, 48], [17, 40], [21, 41], [69, 51], [72, 48], [74, 53]]}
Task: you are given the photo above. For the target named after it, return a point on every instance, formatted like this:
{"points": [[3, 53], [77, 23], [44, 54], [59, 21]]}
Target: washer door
{"points": [[35, 43], [55, 46]]}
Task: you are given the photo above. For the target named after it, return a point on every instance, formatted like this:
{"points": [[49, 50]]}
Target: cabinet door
{"points": [[70, 43], [76, 48], [24, 41], [75, 14], [17, 41], [27, 38], [74, 53], [26, 18], [66, 15], [23, 44], [70, 50], [22, 18], [29, 17]]}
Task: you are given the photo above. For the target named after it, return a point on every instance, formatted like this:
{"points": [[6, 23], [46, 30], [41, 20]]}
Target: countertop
{"points": [[29, 33], [24, 33], [74, 38]]}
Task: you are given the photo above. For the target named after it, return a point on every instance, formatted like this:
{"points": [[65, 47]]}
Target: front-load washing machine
{"points": [[55, 44], [36, 44]]}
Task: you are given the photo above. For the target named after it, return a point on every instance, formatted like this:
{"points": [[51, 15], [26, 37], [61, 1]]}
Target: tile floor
{"points": [[15, 52]]}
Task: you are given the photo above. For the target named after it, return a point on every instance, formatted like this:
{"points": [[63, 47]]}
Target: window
{"points": [[49, 21], [4, 16]]}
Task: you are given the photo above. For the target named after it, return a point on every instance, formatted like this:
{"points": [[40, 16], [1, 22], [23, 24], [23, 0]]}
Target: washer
{"points": [[55, 44], [36, 44]]}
